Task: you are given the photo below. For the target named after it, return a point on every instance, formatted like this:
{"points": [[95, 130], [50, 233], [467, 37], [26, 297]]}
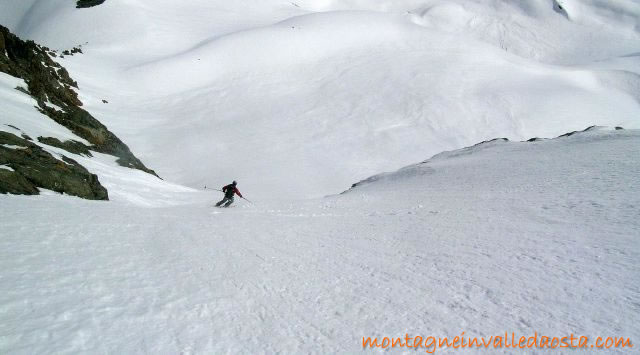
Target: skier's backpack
{"points": [[229, 190]]}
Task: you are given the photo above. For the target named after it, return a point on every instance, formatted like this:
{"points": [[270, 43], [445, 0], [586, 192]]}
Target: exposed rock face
{"points": [[49, 82], [491, 141], [88, 3], [1, 42], [31, 167], [569, 134], [69, 145]]}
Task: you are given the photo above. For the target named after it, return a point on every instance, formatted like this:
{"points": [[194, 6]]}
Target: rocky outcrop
{"points": [[569, 134], [49, 83], [492, 141], [88, 3], [557, 7], [68, 145], [25, 166], [2, 42]]}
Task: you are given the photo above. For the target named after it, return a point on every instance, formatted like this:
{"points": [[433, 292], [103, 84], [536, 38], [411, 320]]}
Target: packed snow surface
{"points": [[310, 96], [298, 100], [518, 237]]}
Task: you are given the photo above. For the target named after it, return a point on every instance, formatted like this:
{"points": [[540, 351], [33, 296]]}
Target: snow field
{"points": [[312, 96], [298, 100], [543, 239]]}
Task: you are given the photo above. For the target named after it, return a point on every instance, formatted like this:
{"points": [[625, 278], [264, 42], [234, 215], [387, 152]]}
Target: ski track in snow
{"points": [[300, 100], [541, 237]]}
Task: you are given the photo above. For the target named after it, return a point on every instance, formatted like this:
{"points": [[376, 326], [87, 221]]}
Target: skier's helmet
{"points": [[234, 183]]}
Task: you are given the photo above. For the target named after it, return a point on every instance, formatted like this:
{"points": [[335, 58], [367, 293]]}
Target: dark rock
{"points": [[66, 52], [14, 183], [24, 135], [535, 139], [557, 7], [34, 167], [70, 146], [88, 3], [492, 140], [48, 81], [28, 61], [21, 89], [64, 74], [105, 101], [81, 123], [618, 128], [569, 134]]}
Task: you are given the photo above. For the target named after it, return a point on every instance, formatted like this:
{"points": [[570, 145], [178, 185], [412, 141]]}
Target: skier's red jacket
{"points": [[231, 190]]}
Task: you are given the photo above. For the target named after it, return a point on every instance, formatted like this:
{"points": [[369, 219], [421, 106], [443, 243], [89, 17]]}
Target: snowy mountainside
{"points": [[312, 95], [556, 157], [298, 99], [35, 87], [505, 236]]}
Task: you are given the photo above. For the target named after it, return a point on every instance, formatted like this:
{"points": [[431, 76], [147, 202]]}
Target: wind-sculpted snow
{"points": [[301, 98], [482, 155], [536, 237], [310, 96]]}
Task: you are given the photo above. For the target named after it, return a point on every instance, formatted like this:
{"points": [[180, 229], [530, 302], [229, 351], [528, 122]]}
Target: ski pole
{"points": [[212, 189], [247, 200]]}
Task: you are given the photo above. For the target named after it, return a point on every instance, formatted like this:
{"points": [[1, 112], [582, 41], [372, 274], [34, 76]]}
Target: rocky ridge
{"points": [[54, 91]]}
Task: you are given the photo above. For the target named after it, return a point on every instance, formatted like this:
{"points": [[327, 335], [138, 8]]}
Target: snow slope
{"points": [[312, 95], [298, 100], [518, 237]]}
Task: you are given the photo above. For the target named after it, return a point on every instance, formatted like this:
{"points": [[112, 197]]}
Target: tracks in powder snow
{"points": [[253, 273], [313, 276]]}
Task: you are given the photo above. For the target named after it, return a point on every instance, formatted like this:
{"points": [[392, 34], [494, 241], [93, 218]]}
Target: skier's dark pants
{"points": [[228, 200]]}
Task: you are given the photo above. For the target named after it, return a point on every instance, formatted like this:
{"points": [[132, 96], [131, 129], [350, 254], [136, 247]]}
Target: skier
{"points": [[229, 191]]}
